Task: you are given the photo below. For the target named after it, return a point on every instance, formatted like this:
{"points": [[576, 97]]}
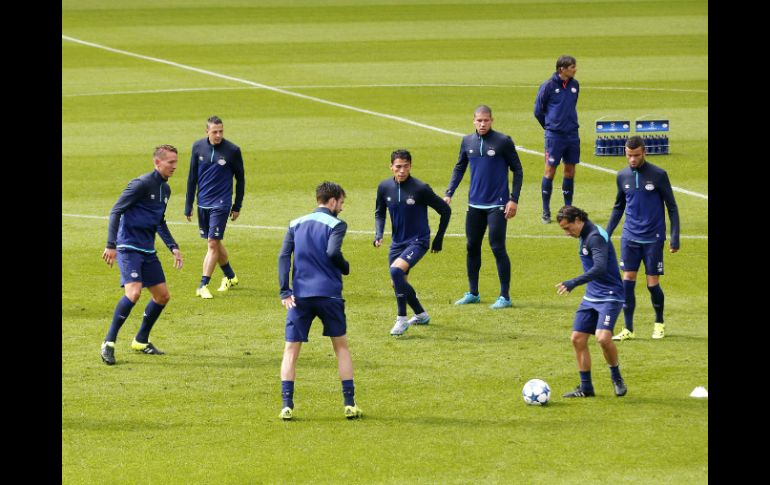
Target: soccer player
{"points": [[602, 301], [490, 154], [407, 199], [555, 110], [213, 164], [316, 242], [643, 189], [135, 218]]}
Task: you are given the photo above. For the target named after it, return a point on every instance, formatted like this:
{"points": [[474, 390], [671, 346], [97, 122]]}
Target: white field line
{"points": [[353, 86], [371, 233], [327, 102]]}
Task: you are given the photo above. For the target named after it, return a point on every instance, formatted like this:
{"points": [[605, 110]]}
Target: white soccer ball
{"points": [[536, 392]]}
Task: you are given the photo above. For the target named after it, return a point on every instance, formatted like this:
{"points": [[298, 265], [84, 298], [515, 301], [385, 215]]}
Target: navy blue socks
{"points": [[151, 314], [287, 393], [228, 271], [400, 287], [546, 187], [204, 281], [348, 392], [656, 295], [585, 381], [630, 304], [122, 310], [568, 187], [615, 373]]}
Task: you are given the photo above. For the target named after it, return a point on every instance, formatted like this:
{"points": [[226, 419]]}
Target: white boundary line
{"points": [[283, 228], [327, 102], [353, 86]]}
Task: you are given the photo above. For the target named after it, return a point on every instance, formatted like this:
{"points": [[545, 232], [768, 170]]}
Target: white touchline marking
{"points": [[283, 228], [327, 102], [354, 86]]}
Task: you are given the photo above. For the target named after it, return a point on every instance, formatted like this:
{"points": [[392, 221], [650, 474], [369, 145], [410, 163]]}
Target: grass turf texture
{"points": [[442, 404]]}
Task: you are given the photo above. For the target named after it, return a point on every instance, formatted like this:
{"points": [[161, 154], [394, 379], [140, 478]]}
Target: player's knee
{"points": [[163, 298], [498, 249], [395, 272], [133, 292], [604, 339]]}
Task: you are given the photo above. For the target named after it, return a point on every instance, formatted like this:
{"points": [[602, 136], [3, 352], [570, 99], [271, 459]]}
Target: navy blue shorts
{"points": [[593, 316], [557, 149], [633, 253], [331, 311], [212, 222], [410, 252], [136, 266]]}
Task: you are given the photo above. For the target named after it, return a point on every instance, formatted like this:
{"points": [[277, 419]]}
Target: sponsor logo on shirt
{"points": [[491, 153]]}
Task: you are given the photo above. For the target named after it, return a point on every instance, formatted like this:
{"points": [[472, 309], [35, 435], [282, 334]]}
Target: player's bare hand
{"points": [[189, 218], [178, 260], [288, 302], [234, 215], [377, 243], [510, 209], [561, 289], [447, 199], [109, 256]]}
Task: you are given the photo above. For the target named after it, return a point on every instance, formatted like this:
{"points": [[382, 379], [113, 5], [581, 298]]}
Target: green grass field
{"points": [[442, 404]]}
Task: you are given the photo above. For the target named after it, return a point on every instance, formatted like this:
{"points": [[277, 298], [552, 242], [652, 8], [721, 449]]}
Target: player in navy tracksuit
{"points": [[135, 218], [214, 162], [407, 199], [555, 110], [315, 240], [603, 298], [643, 189], [490, 154]]}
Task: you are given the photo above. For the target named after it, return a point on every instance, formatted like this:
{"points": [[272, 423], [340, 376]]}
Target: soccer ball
{"points": [[536, 392]]}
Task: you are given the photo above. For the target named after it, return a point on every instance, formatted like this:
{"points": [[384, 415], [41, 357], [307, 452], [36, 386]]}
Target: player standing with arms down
{"points": [[643, 189], [315, 240]]}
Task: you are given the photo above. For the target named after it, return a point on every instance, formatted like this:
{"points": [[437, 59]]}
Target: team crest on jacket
{"points": [[410, 200], [152, 196], [574, 90], [221, 161], [165, 200], [200, 158], [585, 250], [491, 153], [557, 90], [649, 186]]}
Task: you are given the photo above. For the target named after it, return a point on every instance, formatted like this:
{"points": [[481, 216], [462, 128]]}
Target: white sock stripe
{"points": [[324, 101], [283, 228]]}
